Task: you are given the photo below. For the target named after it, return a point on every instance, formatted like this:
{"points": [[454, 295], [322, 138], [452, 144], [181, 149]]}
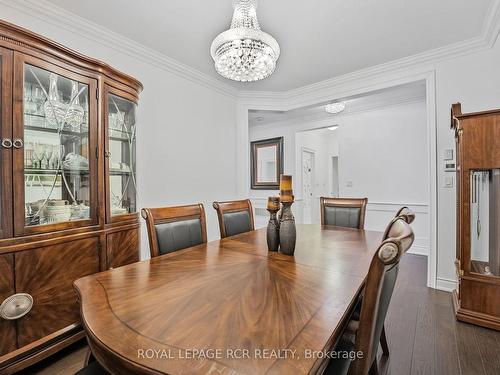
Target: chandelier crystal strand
{"points": [[244, 52]]}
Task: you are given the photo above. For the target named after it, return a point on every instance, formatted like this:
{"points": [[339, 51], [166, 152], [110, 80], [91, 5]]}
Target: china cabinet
{"points": [[477, 137], [67, 188]]}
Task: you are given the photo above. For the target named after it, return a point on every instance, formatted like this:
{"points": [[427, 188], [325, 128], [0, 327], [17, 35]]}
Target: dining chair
{"points": [[406, 214], [235, 217], [91, 366], [343, 212], [364, 335], [175, 228]]}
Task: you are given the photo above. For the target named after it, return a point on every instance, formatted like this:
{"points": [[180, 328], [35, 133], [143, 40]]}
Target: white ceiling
{"points": [[319, 39]]}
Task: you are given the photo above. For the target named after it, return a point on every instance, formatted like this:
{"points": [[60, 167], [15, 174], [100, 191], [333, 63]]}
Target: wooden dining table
{"points": [[229, 306]]}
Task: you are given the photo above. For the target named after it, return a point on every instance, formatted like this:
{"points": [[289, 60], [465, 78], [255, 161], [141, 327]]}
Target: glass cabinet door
{"points": [[59, 182], [121, 155], [5, 143], [485, 222]]}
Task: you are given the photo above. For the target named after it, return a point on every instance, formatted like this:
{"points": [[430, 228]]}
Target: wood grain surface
{"points": [[200, 305]]}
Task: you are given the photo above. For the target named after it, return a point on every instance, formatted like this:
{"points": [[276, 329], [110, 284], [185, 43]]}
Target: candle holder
{"points": [[287, 230], [273, 235]]}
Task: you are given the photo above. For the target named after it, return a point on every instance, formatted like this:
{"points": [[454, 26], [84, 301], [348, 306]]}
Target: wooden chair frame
{"points": [[403, 213], [160, 215], [232, 206], [345, 202], [387, 256]]}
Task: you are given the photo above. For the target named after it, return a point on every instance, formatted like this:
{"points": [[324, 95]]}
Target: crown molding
{"points": [[321, 120], [486, 40], [57, 16]]}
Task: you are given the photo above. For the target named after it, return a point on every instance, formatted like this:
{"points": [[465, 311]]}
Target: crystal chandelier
{"points": [[244, 52]]}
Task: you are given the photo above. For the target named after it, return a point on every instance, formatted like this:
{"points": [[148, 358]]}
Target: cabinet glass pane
{"points": [[121, 155], [56, 148], [485, 222]]}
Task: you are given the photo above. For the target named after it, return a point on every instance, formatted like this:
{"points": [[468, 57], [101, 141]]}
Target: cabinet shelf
{"points": [[114, 135], [52, 172], [54, 131]]}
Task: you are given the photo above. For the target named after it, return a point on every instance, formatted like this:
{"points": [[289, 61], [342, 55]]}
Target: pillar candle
{"points": [[273, 203], [285, 182]]}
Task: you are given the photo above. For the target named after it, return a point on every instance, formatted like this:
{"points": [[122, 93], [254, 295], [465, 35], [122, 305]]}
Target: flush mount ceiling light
{"points": [[335, 107], [244, 52], [334, 127]]}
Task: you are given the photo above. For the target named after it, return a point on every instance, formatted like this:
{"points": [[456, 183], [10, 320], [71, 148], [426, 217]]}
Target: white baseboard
{"points": [[446, 285], [419, 250]]}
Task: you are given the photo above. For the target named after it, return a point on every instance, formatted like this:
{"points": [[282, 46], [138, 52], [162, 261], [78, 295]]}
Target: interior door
{"points": [[335, 176], [55, 158], [5, 143], [307, 184]]}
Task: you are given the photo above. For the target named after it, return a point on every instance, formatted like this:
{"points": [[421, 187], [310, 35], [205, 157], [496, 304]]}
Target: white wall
{"points": [[473, 80], [383, 155], [468, 73], [186, 140]]}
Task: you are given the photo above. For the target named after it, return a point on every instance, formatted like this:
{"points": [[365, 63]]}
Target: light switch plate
{"points": [[448, 154], [448, 182]]}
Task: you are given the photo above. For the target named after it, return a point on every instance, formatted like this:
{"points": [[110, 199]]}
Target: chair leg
{"points": [[374, 367], [89, 357], [383, 342]]}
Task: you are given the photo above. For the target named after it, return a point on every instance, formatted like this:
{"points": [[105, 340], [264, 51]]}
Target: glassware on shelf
{"points": [[55, 110], [39, 98], [76, 162], [57, 153], [121, 161], [37, 155], [57, 185], [30, 106], [28, 154], [76, 113], [47, 155]]}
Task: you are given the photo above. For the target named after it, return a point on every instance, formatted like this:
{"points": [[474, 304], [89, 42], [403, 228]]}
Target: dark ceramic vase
{"points": [[288, 233], [273, 234]]}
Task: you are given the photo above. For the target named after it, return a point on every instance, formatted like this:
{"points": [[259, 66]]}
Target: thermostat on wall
{"points": [[449, 166]]}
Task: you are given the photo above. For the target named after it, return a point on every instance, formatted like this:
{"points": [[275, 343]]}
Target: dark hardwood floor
{"points": [[424, 337]]}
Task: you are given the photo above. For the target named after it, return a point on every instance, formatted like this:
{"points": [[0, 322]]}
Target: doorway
{"points": [[307, 184], [335, 177]]}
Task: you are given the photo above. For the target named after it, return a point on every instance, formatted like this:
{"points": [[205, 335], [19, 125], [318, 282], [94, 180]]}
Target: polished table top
{"points": [[228, 306]]}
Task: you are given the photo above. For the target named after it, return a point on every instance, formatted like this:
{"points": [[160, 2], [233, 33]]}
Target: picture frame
{"points": [[266, 159]]}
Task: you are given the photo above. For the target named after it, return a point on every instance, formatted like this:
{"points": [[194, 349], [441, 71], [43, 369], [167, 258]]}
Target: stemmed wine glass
{"points": [[39, 98], [47, 153], [30, 106], [38, 151], [57, 153]]}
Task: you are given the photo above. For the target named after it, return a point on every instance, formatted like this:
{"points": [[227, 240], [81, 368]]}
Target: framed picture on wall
{"points": [[266, 163]]}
